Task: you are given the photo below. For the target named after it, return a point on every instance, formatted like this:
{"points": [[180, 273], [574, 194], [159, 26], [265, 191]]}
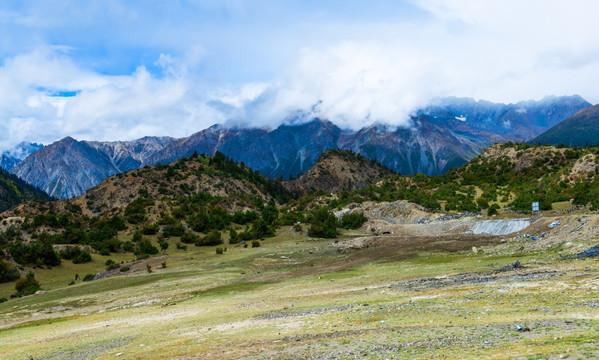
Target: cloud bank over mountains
{"points": [[354, 67]]}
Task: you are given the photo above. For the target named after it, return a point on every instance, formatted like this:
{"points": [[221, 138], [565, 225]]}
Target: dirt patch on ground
{"points": [[365, 250]]}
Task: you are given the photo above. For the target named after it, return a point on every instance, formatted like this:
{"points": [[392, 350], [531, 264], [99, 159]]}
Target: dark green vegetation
{"points": [[163, 203], [8, 272], [14, 191], [230, 203], [26, 286], [512, 174], [581, 129]]}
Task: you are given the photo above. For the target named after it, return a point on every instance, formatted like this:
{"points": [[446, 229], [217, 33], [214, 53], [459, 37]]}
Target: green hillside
{"points": [[508, 175], [14, 191], [581, 129]]}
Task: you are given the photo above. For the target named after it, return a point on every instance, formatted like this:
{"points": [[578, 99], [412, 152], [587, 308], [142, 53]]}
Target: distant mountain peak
{"points": [[10, 158], [436, 141]]}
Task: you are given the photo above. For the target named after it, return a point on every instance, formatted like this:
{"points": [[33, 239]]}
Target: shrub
{"points": [[27, 286], [173, 230], [125, 269], [137, 236], [181, 246], [149, 268], [219, 250], [163, 245], [39, 253], [82, 257], [212, 239], [145, 247], [492, 210], [189, 238], [88, 277], [112, 244], [150, 229], [8, 272], [482, 203], [105, 252], [352, 220], [111, 265], [76, 254], [262, 229], [3, 300], [323, 223], [233, 237], [163, 264], [128, 246], [255, 243]]}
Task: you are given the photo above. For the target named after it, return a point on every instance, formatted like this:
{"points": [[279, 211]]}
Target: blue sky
{"points": [[110, 69]]}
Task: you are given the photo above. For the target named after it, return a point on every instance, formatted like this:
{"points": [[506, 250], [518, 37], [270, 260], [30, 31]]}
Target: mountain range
{"points": [[441, 136]]}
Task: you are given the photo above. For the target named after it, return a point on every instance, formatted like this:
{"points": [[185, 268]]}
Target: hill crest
{"points": [[339, 170]]}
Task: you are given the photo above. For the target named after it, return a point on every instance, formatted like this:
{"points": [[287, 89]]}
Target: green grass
{"points": [[293, 298]]}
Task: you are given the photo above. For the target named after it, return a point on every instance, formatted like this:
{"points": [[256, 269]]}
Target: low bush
{"points": [[75, 254], [27, 286], [8, 272], [353, 220], [111, 265], [492, 210], [128, 246], [145, 247]]}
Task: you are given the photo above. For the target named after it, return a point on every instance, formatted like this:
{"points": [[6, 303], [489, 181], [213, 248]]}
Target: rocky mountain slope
{"points": [[215, 176], [581, 129], [68, 167], [14, 191], [338, 170], [440, 137]]}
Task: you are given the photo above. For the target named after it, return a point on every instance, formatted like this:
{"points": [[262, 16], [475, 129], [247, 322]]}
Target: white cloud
{"points": [[351, 72]]}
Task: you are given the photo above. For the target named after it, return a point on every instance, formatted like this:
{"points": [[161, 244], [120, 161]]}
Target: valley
{"points": [[247, 269], [360, 296], [299, 180]]}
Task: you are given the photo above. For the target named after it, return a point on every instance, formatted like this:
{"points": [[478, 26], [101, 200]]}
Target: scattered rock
{"points": [[591, 252], [514, 266]]}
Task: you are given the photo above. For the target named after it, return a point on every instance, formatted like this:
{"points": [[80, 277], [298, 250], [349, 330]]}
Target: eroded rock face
{"points": [[500, 227]]}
